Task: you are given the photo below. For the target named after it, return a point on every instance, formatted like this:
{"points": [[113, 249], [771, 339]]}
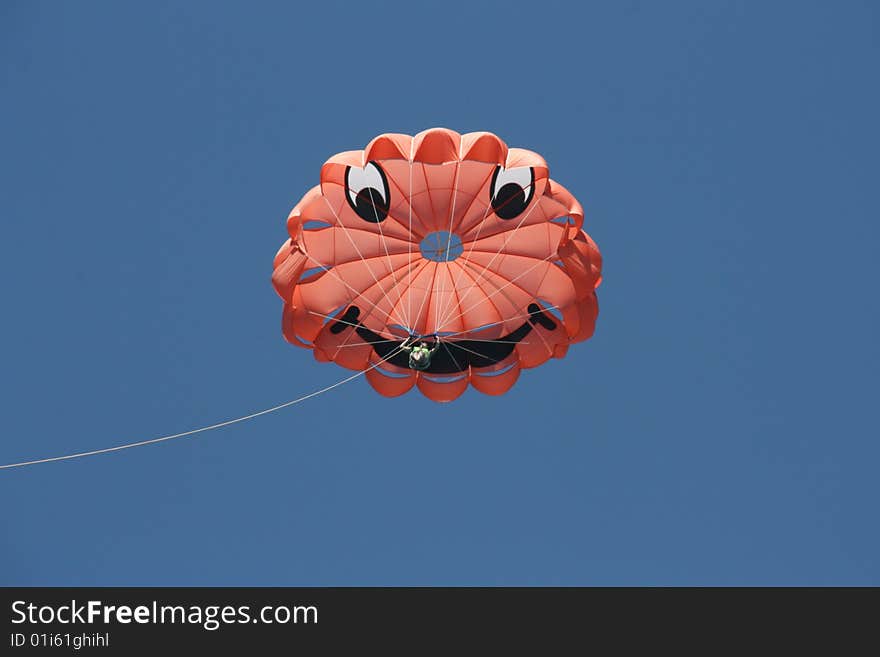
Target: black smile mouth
{"points": [[453, 356]]}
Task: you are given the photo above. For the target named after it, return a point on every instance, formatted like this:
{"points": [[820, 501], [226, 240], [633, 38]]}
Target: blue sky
{"points": [[719, 428]]}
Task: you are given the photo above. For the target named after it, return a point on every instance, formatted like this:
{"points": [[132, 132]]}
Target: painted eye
{"points": [[367, 192], [512, 190]]}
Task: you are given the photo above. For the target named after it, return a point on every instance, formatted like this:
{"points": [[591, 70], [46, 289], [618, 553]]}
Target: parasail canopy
{"points": [[441, 238]]}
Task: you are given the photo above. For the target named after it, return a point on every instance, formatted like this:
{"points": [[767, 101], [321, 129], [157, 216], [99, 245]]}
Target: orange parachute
{"points": [[454, 242]]}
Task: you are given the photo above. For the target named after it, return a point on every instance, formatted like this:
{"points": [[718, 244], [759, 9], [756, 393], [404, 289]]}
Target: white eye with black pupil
{"points": [[367, 192], [511, 191]]}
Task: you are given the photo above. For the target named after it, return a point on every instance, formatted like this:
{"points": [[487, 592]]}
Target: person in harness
{"points": [[419, 352]]}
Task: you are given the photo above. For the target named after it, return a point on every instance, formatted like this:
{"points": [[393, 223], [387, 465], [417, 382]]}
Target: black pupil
{"points": [[369, 205], [509, 201]]}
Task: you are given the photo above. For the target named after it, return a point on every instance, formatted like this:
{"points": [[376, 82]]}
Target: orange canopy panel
{"points": [[453, 239]]}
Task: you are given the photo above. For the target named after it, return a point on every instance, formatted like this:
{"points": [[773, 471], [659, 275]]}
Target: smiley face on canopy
{"points": [[441, 237]]}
